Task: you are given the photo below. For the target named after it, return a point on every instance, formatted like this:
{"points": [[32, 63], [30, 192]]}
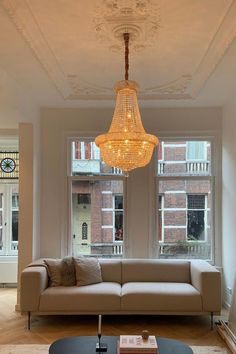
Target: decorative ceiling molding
{"points": [[81, 87], [141, 18], [144, 18], [25, 21], [217, 48], [172, 90], [178, 86]]}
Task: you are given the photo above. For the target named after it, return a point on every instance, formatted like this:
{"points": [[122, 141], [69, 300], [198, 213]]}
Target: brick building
{"points": [[183, 202]]}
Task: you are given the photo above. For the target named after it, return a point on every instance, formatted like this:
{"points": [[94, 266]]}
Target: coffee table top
{"points": [[87, 345]]}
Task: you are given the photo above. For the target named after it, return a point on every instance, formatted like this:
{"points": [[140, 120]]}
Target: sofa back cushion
{"points": [[88, 271], [111, 270], [61, 271], [138, 270]]}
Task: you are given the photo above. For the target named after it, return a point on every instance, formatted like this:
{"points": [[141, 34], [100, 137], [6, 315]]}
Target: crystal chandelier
{"points": [[126, 145]]}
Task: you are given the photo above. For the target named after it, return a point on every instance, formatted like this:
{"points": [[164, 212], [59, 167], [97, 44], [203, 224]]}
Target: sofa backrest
{"points": [[138, 270], [111, 270]]}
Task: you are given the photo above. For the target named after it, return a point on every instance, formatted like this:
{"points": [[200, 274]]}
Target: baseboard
{"points": [[8, 285], [17, 308]]}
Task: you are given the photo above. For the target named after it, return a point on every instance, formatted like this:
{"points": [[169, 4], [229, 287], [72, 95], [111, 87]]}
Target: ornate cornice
{"points": [[143, 17], [218, 46], [25, 21]]}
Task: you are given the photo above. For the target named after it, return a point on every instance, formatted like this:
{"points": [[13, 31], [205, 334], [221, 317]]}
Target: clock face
{"points": [[7, 165]]}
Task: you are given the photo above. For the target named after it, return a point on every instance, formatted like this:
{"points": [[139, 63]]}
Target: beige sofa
{"points": [[129, 286]]}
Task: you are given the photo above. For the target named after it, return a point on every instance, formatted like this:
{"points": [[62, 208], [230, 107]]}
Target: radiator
{"points": [[8, 272]]}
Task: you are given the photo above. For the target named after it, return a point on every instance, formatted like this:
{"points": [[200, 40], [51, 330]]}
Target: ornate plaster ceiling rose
{"points": [[139, 18]]}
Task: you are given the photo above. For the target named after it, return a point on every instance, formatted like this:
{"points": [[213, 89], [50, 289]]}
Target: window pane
{"points": [[14, 225], [86, 160], [184, 218], [184, 158], [15, 201], [119, 202], [196, 150], [97, 225], [196, 201], [118, 225], [84, 198]]}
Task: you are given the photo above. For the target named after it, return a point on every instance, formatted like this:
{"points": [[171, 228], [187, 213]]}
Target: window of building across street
{"points": [[184, 198], [97, 211]]}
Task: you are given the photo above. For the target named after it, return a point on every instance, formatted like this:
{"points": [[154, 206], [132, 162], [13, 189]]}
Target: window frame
{"points": [[214, 177], [93, 177]]}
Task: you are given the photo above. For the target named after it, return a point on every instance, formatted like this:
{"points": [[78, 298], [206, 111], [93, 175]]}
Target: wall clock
{"points": [[8, 165]]}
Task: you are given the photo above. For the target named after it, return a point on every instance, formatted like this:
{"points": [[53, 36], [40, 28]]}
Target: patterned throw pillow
{"points": [[88, 271], [61, 271]]}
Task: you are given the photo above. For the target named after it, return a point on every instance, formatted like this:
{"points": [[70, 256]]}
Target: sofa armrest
{"points": [[33, 281], [207, 280]]}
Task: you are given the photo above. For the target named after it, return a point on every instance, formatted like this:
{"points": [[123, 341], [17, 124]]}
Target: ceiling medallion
{"points": [[139, 18]]}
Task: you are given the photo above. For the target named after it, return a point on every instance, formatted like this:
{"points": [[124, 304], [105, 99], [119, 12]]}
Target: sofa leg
{"points": [[29, 322], [211, 320]]}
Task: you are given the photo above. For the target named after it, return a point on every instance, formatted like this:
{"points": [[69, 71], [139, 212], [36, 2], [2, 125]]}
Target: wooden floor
{"points": [[194, 330]]}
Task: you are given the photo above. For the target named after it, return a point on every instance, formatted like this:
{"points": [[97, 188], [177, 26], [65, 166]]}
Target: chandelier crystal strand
{"points": [[126, 145]]}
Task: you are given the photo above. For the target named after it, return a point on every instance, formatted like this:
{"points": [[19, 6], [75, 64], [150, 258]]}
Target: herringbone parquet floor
{"points": [[194, 330]]}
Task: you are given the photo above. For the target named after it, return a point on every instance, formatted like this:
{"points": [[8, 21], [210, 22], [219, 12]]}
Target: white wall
{"points": [[57, 124], [16, 107], [229, 195]]}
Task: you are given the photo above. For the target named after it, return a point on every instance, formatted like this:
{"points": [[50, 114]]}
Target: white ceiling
{"points": [[63, 52]]}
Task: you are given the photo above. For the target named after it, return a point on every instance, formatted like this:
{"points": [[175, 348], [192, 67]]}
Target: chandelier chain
{"points": [[126, 39]]}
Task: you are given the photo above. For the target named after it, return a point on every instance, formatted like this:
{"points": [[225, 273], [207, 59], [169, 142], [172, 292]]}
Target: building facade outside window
{"points": [[185, 194], [97, 214], [118, 217]]}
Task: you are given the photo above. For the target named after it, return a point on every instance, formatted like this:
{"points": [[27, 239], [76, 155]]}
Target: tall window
{"points": [[96, 203], [184, 198], [9, 213]]}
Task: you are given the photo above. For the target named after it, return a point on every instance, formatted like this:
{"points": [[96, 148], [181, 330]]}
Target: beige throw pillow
{"points": [[88, 271], [61, 271]]}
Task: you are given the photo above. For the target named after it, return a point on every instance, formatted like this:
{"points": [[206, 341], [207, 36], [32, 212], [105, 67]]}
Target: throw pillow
{"points": [[61, 271], [88, 271]]}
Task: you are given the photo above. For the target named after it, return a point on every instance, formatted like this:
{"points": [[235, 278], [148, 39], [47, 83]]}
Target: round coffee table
{"points": [[87, 345]]}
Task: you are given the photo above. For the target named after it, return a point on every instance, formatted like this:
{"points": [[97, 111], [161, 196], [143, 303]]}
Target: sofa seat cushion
{"points": [[98, 297], [166, 297]]}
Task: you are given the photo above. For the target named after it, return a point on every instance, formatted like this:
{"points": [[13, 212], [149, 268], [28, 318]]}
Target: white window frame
{"points": [[214, 178], [71, 179]]}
